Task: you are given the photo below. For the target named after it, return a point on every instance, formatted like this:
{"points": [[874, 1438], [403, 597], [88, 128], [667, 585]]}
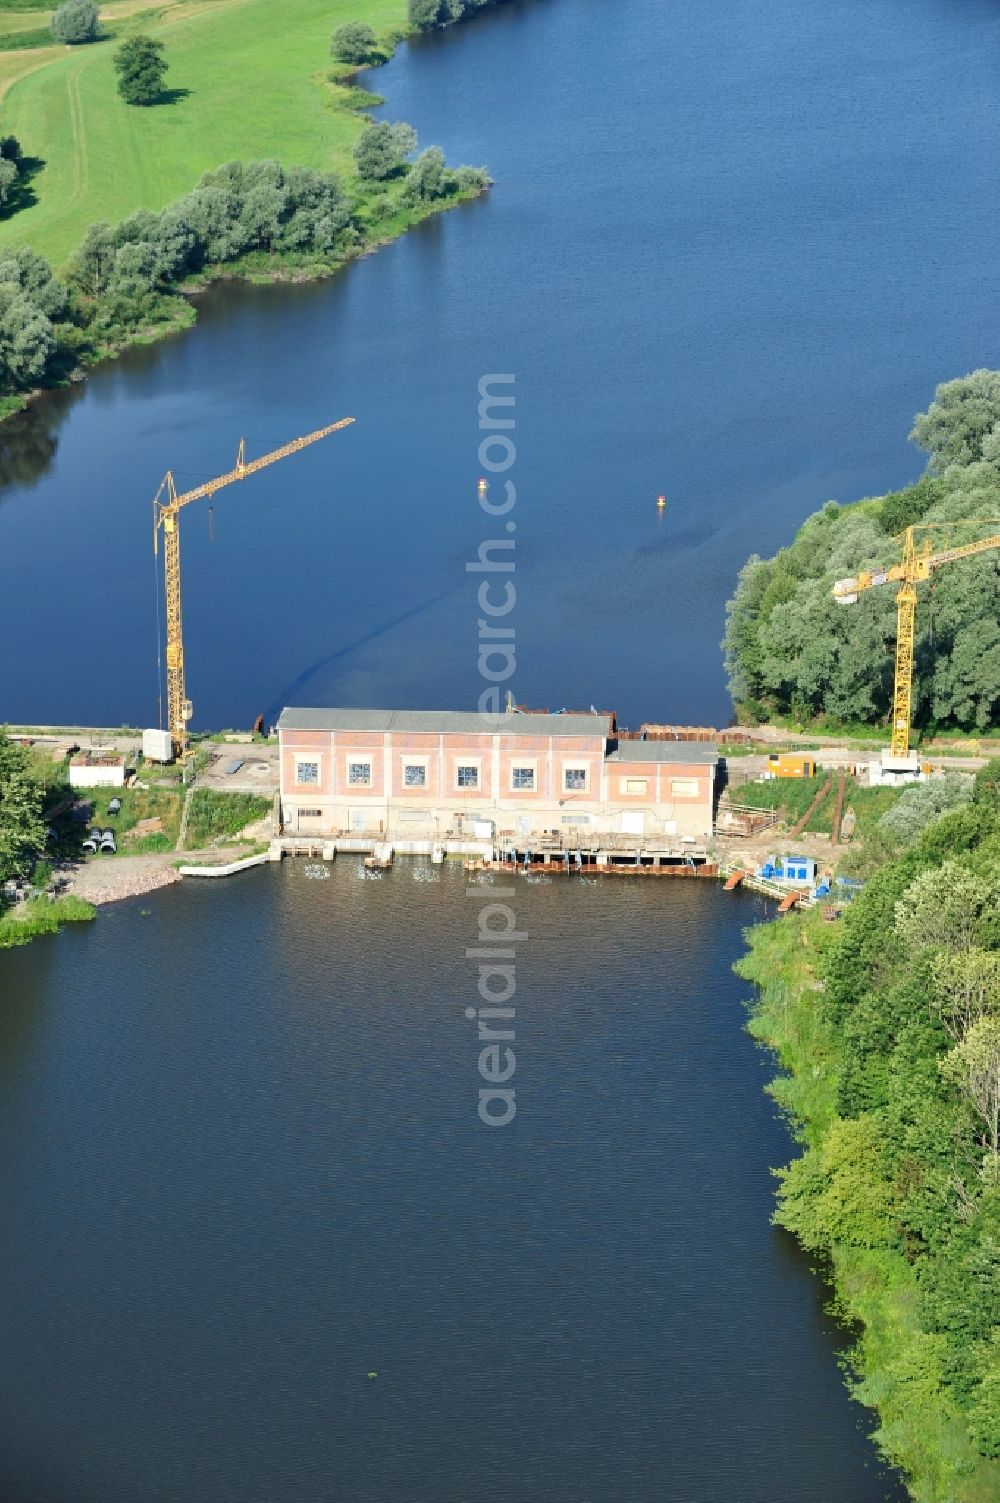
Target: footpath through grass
{"points": [[248, 79]]}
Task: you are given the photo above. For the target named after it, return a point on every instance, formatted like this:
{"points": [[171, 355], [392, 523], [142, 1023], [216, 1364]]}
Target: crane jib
{"points": [[165, 515]]}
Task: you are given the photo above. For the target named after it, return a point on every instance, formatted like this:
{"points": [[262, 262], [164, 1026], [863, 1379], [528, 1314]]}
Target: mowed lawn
{"points": [[255, 72]]}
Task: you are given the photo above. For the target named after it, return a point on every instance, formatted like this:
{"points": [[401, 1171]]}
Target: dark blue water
{"points": [[241, 1168], [730, 251]]}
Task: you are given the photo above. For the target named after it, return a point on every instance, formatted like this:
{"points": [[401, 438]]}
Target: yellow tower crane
{"points": [[166, 508], [917, 564]]}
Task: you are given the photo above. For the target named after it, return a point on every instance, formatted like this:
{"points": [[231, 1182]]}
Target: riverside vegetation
{"points": [[39, 824], [791, 650], [259, 218], [887, 1026], [23, 837]]}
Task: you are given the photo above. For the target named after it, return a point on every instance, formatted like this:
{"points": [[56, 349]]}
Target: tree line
{"points": [[791, 649], [125, 277], [22, 828], [889, 1024], [425, 15]]}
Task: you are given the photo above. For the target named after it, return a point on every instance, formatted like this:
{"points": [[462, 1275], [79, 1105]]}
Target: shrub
{"points": [[921, 803]]}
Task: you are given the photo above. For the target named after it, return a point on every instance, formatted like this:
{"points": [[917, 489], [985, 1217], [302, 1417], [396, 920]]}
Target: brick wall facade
{"points": [[432, 785]]}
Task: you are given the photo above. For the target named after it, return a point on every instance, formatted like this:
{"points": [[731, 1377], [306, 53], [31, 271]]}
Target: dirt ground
{"points": [[753, 852], [107, 881], [122, 877]]}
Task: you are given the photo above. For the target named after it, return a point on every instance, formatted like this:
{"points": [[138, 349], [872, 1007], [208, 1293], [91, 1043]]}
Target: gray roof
{"points": [[470, 722], [665, 751]]}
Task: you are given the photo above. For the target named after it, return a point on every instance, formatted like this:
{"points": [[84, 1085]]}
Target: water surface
{"points": [[241, 1168], [730, 251]]}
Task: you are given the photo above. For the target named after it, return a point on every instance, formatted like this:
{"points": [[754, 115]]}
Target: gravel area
{"points": [[122, 877], [106, 880]]}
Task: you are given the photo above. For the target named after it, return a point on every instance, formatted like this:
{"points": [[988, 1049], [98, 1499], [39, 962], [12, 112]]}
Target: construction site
{"points": [[528, 790]]}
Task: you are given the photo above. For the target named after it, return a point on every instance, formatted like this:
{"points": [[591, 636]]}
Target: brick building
{"points": [[434, 774]]}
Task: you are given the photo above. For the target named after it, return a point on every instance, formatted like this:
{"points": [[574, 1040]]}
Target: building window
{"points": [[307, 772], [414, 775], [310, 814], [634, 785], [575, 779], [359, 774], [467, 776], [684, 787], [523, 779]]}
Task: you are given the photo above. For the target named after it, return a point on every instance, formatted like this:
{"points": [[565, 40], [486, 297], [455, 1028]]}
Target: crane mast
{"points": [[916, 564], [167, 505]]}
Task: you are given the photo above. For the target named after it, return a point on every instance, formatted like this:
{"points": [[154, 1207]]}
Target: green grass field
{"points": [[256, 72]]}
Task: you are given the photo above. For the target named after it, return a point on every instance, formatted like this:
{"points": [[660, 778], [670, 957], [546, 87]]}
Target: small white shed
{"points": [[97, 770]]}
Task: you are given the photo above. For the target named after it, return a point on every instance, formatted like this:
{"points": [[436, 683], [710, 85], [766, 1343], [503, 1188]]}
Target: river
{"points": [[242, 1168], [730, 251]]}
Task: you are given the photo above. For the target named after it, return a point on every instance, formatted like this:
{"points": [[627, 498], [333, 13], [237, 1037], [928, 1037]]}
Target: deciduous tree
{"points": [[380, 150], [966, 988], [354, 42], [75, 21], [91, 269], [22, 829], [8, 177], [426, 14], [963, 414], [986, 786], [941, 908], [141, 69], [428, 177], [973, 1066], [27, 340]]}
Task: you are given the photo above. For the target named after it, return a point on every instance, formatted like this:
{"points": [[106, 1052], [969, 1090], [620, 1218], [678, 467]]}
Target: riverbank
{"points": [[102, 159], [128, 272], [173, 313], [797, 653], [896, 1190], [99, 883], [157, 821], [41, 916]]}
